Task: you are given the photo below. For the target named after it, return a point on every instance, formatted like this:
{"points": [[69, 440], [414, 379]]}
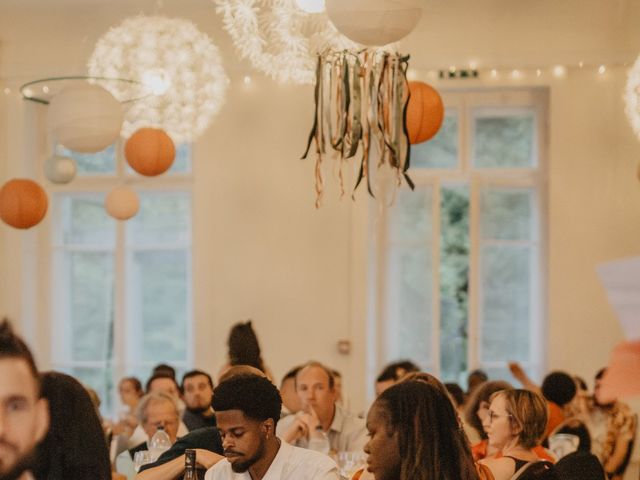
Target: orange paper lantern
{"points": [[150, 151], [23, 203], [122, 203], [425, 112]]}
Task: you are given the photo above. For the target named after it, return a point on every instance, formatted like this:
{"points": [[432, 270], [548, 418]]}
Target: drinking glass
{"points": [[350, 462], [141, 458]]}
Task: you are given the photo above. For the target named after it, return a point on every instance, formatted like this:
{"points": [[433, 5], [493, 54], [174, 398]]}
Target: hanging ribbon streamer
{"points": [[361, 100]]}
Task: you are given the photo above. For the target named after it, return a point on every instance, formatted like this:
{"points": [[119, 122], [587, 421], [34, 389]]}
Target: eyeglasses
{"points": [[493, 416]]}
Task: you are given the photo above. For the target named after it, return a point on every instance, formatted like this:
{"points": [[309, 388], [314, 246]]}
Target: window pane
{"points": [[410, 278], [410, 217], [162, 219], [505, 309], [410, 300], [90, 297], [86, 222], [506, 214], [159, 303], [503, 140], [442, 150], [454, 281], [100, 163], [100, 379]]}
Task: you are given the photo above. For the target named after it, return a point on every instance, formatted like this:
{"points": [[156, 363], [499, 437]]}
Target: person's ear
{"points": [[268, 427], [43, 419]]}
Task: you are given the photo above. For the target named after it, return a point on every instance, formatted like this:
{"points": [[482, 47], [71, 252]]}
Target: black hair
{"points": [[137, 384], [12, 346], [601, 373], [395, 370], [244, 348], [195, 373], [75, 447], [253, 395], [476, 378], [456, 393], [559, 387], [155, 376], [163, 368], [431, 442]]}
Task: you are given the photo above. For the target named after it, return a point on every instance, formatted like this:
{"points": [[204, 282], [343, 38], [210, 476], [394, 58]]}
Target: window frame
{"points": [[476, 178], [123, 362]]}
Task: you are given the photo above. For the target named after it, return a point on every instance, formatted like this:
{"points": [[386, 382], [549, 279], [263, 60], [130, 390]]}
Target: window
{"points": [[460, 259], [121, 290]]}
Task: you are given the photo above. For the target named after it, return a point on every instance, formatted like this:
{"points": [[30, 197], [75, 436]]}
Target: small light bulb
{"points": [[7, 91], [247, 80], [28, 92], [45, 89], [516, 74], [412, 75], [473, 65], [538, 72], [311, 6], [581, 64], [559, 71], [157, 80], [602, 69], [494, 73]]}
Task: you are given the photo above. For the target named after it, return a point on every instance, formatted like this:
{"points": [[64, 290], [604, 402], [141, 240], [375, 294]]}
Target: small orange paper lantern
{"points": [[23, 203], [122, 203], [150, 151], [425, 112]]}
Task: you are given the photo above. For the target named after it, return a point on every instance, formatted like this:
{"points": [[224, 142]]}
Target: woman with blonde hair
{"points": [[515, 425]]}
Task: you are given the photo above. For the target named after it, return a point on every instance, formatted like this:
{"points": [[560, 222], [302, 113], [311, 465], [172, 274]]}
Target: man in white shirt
{"points": [[247, 411], [24, 417], [321, 413]]}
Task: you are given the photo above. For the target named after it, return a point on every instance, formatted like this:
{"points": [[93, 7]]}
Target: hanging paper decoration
{"points": [[361, 100], [59, 169], [281, 38], [375, 22], [425, 112], [23, 203], [180, 66], [122, 203], [150, 151], [85, 118]]}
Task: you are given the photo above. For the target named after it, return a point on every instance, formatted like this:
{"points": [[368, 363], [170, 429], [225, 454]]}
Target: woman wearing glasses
{"points": [[515, 425]]}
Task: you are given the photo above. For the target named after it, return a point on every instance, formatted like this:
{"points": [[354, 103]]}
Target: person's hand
{"points": [[297, 430], [206, 458], [517, 371], [312, 420]]}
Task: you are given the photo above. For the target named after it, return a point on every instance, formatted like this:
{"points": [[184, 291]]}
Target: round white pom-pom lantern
{"points": [[85, 118], [59, 169], [122, 203], [374, 22]]}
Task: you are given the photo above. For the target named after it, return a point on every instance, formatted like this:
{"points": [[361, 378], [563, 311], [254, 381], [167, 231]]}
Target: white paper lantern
{"points": [[59, 169], [85, 118], [122, 203], [375, 22]]}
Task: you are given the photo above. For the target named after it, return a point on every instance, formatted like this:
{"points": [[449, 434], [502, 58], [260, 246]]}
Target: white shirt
{"points": [[347, 432], [290, 463]]}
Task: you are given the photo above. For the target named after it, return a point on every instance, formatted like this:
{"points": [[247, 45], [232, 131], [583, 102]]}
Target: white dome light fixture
{"points": [[179, 65], [282, 38], [632, 97]]}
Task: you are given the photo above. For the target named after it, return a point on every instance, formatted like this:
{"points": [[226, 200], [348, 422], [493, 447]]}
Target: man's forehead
{"points": [[197, 379], [16, 378], [312, 374], [230, 419]]}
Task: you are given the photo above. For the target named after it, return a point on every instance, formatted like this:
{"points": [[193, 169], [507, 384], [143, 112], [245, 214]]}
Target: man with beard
{"points": [[197, 391], [24, 415], [247, 411]]}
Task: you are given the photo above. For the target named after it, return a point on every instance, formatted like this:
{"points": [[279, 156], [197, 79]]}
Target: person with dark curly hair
{"points": [[247, 411], [414, 434]]}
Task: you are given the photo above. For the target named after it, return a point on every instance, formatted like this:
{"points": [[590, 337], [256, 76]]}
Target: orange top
{"points": [[479, 451], [556, 417]]}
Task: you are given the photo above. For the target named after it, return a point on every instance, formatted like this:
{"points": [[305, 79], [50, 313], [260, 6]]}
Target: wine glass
{"points": [[350, 463], [141, 458]]}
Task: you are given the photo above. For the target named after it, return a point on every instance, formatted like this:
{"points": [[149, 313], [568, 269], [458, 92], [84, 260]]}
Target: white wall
{"points": [[261, 250]]}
